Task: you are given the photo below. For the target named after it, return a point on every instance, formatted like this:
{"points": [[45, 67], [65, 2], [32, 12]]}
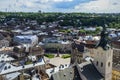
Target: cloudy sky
{"points": [[92, 6]]}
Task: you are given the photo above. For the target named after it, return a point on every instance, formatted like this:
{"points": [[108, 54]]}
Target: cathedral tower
{"points": [[103, 55]]}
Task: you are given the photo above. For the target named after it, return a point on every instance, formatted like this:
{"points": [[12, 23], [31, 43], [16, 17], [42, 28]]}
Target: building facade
{"points": [[32, 40], [78, 53], [116, 64], [4, 43], [103, 62]]}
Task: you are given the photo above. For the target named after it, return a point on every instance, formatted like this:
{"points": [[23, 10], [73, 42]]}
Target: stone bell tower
{"points": [[103, 56], [77, 52]]}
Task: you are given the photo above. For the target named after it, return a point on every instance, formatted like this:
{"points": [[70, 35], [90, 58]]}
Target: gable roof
{"points": [[85, 71], [8, 68], [1, 37], [5, 57], [66, 74], [71, 73], [12, 76], [78, 71], [2, 66], [91, 73]]}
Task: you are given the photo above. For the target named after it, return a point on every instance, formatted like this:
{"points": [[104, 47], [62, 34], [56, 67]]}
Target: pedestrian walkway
{"points": [[57, 61]]}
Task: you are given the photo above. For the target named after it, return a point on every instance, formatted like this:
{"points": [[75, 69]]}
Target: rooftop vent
{"points": [[65, 64], [81, 69]]}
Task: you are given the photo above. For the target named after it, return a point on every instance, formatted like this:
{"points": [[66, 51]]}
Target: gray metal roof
{"points": [[1, 37], [63, 75], [2, 64], [91, 73], [70, 73], [88, 72]]}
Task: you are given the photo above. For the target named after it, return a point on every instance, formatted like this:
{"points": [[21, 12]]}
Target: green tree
{"points": [[97, 30], [82, 31]]}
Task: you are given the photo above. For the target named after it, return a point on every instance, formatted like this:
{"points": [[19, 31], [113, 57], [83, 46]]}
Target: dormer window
{"points": [[9, 67], [5, 68], [65, 64], [82, 68], [62, 66]]}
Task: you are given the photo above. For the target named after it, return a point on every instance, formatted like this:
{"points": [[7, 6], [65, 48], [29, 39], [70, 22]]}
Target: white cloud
{"points": [[61, 0], [26, 3], [49, 1], [44, 5], [99, 6]]}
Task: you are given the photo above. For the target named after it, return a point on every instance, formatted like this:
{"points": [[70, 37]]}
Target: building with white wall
{"points": [[32, 40]]}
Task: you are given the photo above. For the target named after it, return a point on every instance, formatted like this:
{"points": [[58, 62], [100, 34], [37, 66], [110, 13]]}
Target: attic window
{"points": [[62, 66], [65, 64], [5, 68], [9, 67], [82, 69], [37, 76], [59, 66]]}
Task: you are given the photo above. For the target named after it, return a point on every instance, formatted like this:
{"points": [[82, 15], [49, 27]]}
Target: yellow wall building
{"points": [[115, 75]]}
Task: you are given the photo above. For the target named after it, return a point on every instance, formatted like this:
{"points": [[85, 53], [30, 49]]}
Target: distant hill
{"points": [[66, 19]]}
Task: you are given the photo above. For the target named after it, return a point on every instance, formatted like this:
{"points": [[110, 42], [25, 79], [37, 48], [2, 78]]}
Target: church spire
{"points": [[104, 39]]}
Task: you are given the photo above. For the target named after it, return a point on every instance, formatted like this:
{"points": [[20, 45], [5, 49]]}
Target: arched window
{"points": [[97, 63], [101, 64], [108, 64]]}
